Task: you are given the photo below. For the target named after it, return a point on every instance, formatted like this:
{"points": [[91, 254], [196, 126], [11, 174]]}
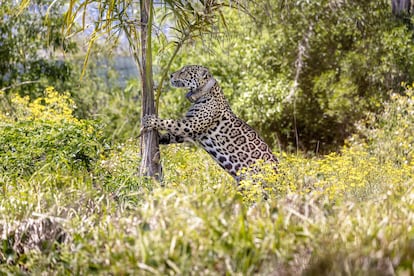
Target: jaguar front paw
{"points": [[149, 122]]}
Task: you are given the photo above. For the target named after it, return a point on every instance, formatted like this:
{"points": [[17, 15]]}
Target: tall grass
{"points": [[72, 204]]}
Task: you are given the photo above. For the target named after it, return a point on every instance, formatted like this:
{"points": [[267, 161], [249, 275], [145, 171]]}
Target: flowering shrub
{"points": [[44, 134], [379, 158], [353, 173]]}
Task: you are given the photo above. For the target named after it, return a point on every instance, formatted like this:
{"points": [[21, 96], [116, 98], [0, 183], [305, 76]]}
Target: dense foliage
{"points": [[34, 54], [344, 213], [324, 76], [43, 137], [31, 51], [312, 67]]}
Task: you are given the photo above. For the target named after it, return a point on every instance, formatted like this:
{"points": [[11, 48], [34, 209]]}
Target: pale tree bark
{"points": [[400, 6], [150, 155]]}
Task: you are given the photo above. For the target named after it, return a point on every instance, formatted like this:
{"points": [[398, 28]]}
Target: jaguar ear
{"points": [[205, 74]]}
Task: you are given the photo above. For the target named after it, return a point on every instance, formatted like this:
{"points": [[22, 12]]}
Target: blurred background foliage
{"points": [[30, 48], [310, 68], [302, 73]]}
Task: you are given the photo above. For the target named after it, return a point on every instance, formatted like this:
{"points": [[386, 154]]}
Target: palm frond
{"points": [[23, 5]]}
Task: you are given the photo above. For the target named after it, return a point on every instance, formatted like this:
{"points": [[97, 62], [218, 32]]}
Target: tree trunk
{"points": [[400, 6], [150, 154]]}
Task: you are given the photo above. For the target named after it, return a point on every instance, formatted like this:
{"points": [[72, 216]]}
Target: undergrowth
{"points": [[72, 204]]}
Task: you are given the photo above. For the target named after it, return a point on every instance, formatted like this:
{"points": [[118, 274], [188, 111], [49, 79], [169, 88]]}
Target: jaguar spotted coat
{"points": [[231, 142]]}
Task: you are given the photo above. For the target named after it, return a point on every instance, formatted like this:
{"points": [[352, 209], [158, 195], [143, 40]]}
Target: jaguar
{"points": [[211, 123]]}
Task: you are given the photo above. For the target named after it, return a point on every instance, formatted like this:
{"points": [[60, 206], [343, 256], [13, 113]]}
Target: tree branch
{"points": [[17, 85], [303, 48]]}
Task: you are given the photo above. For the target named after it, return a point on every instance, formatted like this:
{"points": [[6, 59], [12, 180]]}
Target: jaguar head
{"points": [[191, 76]]}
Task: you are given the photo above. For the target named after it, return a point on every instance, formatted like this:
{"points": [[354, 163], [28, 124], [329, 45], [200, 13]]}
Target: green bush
{"points": [[389, 135], [42, 136]]}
